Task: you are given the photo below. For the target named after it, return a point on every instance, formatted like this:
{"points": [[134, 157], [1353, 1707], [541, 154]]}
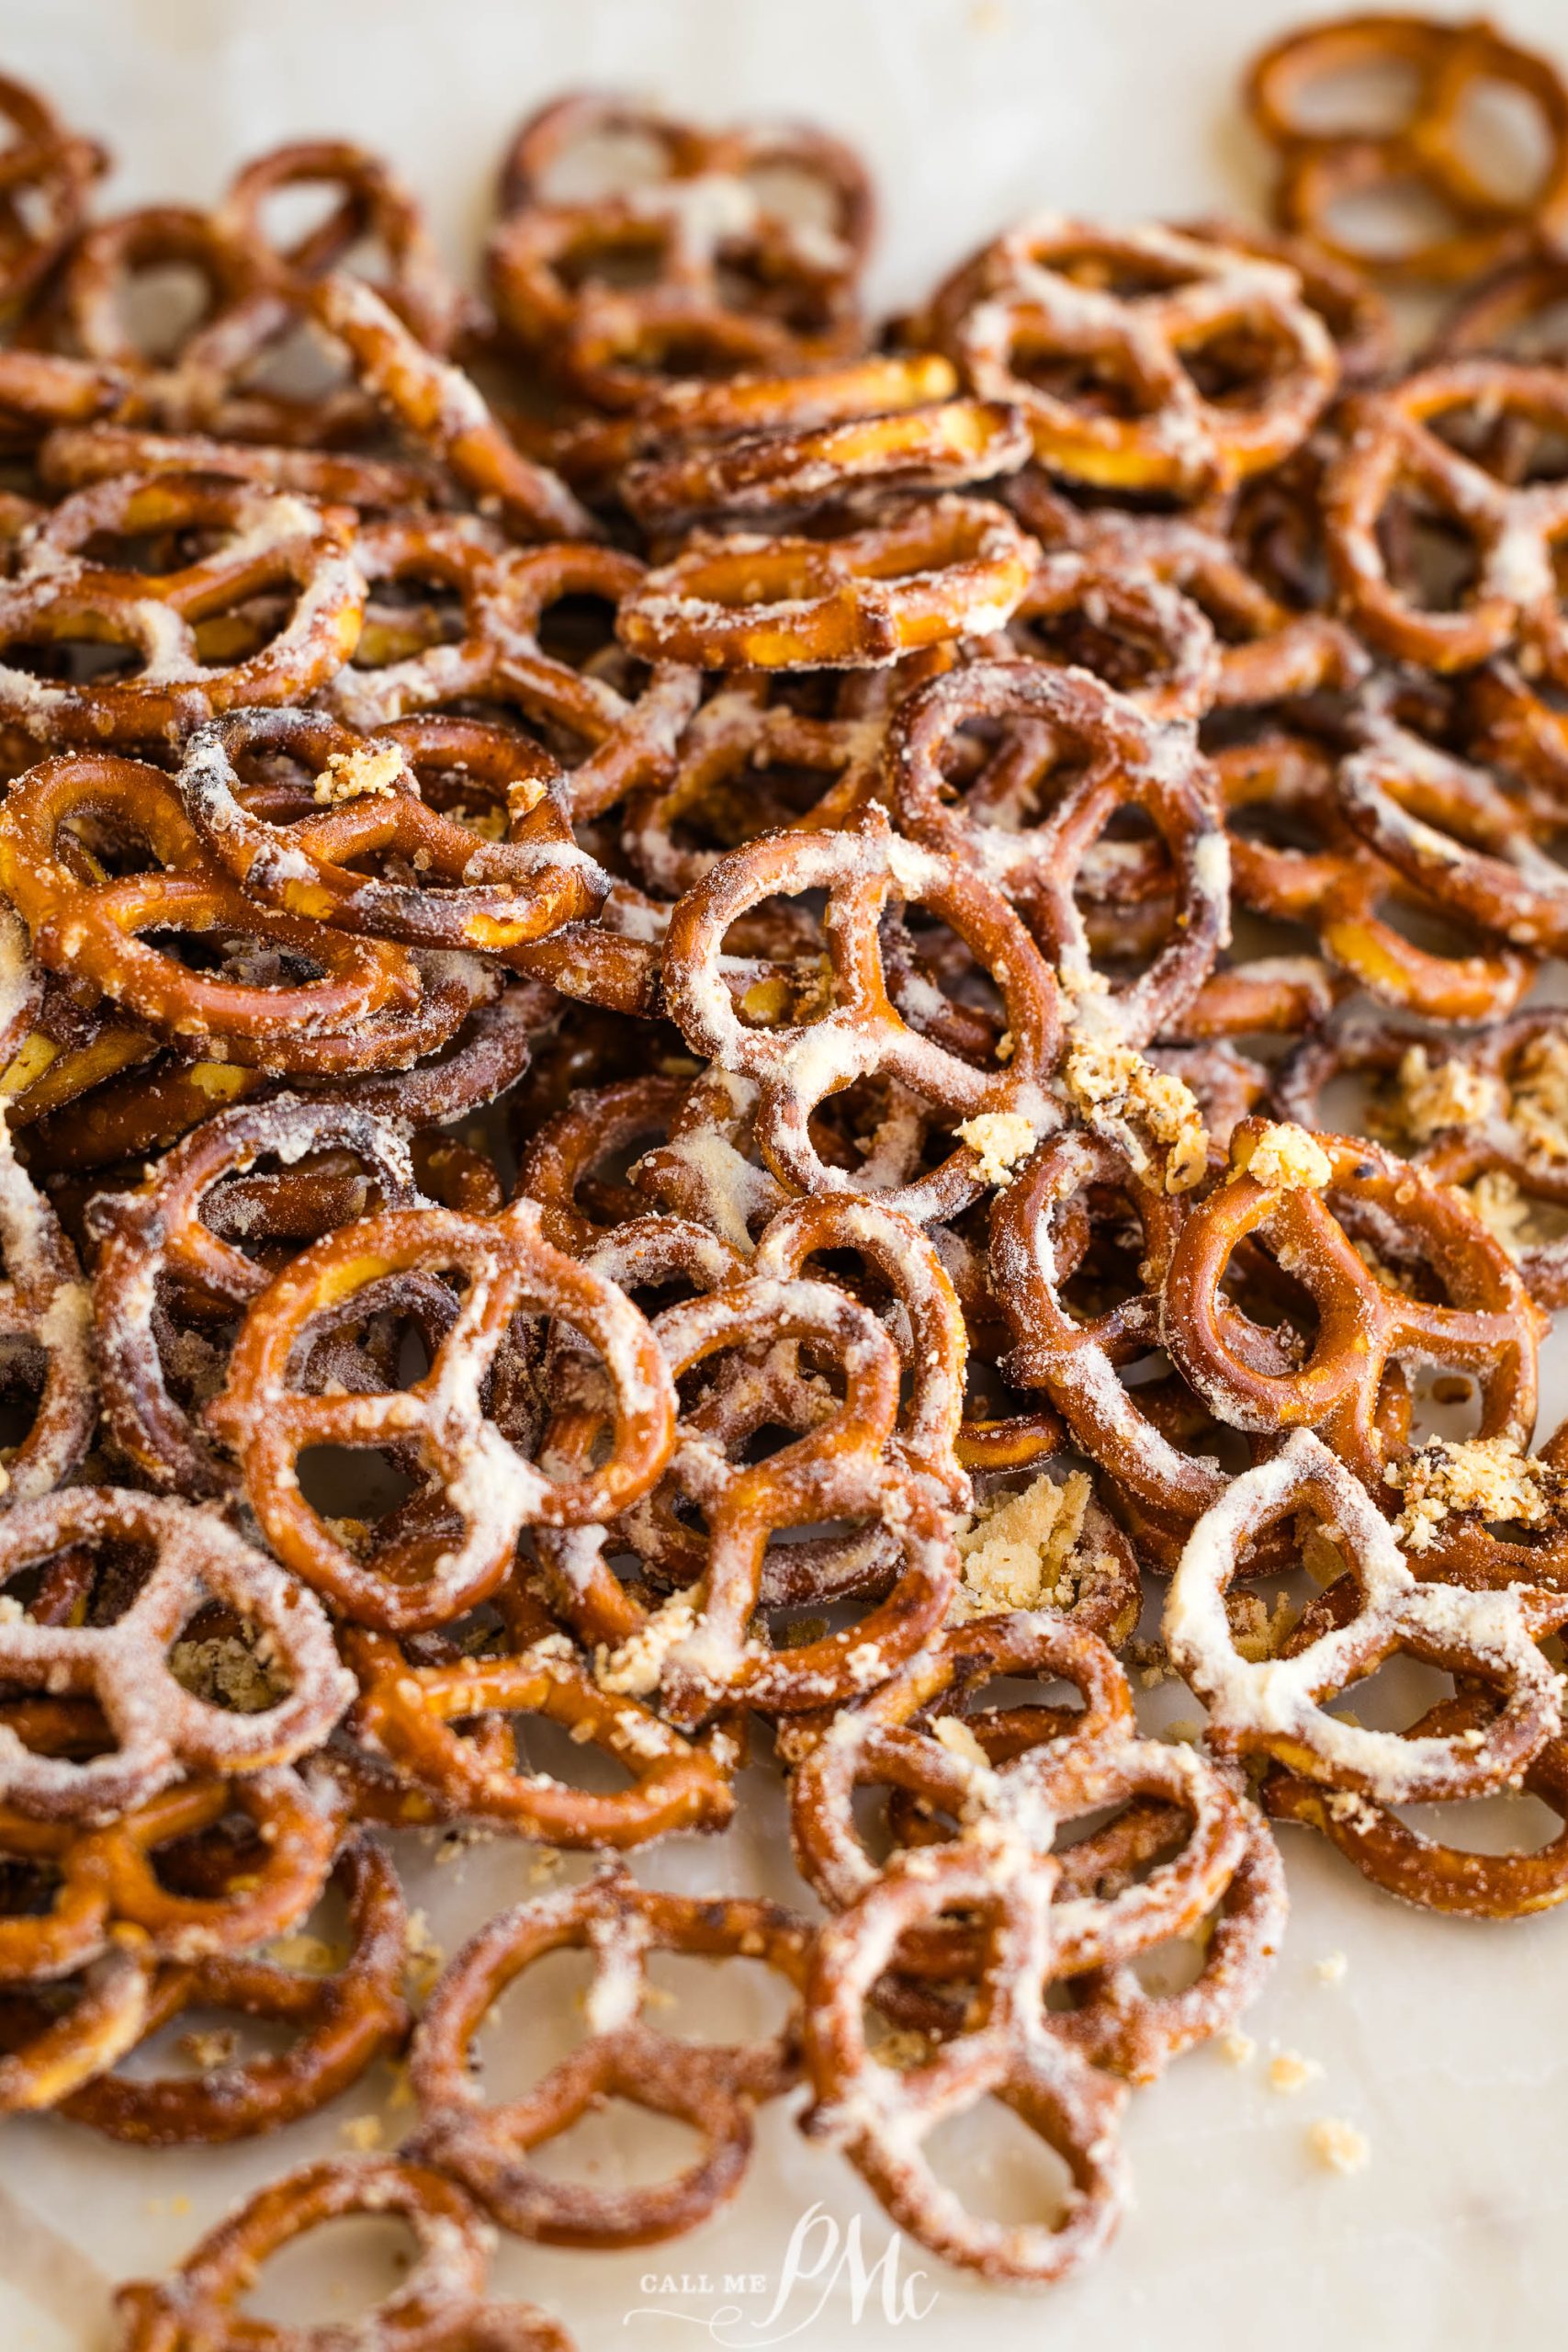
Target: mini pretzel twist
{"points": [[1125, 763], [158, 1727], [51, 2051], [1392, 448], [491, 1488], [798, 1065], [467, 893], [57, 594], [921, 572], [342, 2023], [407, 1714], [1275, 1708], [1008, 2049], [1478, 226], [1365, 1321], [161, 1234], [438, 2307], [1047, 294], [712, 2087], [702, 226]]}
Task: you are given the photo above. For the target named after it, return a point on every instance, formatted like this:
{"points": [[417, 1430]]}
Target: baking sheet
{"points": [[1442, 2041]]}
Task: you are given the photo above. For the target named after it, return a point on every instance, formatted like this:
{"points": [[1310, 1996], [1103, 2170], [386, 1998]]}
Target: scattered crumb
{"points": [[1338, 2145], [361, 2132], [1259, 1632], [959, 1740], [360, 774], [1003, 1138], [636, 1667], [901, 2048], [1121, 1095], [312, 1955], [1502, 1208], [1239, 2049], [426, 1956], [766, 1000], [1013, 1552], [1289, 2072], [1183, 1731], [1538, 1086], [1485, 1477], [1451, 1095], [226, 1671], [1331, 1968], [546, 1864], [1281, 1155], [208, 2051]]}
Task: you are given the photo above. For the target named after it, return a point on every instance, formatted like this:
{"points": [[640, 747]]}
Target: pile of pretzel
{"points": [[668, 975]]}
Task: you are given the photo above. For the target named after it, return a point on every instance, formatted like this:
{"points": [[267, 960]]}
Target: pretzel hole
{"points": [[1432, 559], [161, 305], [1232, 363], [1501, 132], [543, 1747], [1366, 97], [1093, 635], [80, 648], [603, 163], [1000, 2169], [301, 364], [1511, 1822], [619, 2144], [538, 2017], [1100, 384], [1389, 219], [196, 2042], [1394, 1696], [227, 1662], [343, 2268], [353, 1483], [630, 257], [729, 1997], [794, 192]]}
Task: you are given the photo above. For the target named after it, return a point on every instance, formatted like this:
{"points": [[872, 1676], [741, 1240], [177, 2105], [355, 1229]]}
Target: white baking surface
{"points": [[1443, 2041]]}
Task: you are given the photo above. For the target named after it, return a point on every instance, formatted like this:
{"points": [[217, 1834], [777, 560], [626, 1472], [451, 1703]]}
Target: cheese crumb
{"points": [[227, 1672], [1450, 1094], [902, 2048], [1289, 2072], [1485, 1477], [1013, 1552], [1331, 1968], [1120, 1094], [361, 2132], [1003, 1138], [359, 775], [1537, 1085], [1281, 1155], [1338, 2145], [207, 2052], [312, 1955], [959, 1740], [1503, 1209], [1237, 2048], [426, 1957]]}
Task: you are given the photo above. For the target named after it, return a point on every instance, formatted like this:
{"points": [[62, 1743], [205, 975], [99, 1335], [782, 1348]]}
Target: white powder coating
{"points": [[1262, 1705]]}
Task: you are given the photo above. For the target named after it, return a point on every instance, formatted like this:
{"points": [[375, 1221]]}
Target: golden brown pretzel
{"points": [[712, 2087], [1043, 304], [1424, 146]]}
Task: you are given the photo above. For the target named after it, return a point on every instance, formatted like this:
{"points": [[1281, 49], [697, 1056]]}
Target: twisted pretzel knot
{"points": [[1320, 165], [1126, 762], [491, 1488], [704, 226], [341, 2022], [98, 930], [406, 1714], [698, 1649], [437, 2307], [158, 1727], [58, 594], [798, 1065], [923, 572], [118, 1884], [1045, 296], [46, 172], [1009, 2050], [1392, 449], [1365, 1321], [491, 896], [160, 1235], [613, 740], [711, 2086], [1276, 1708]]}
